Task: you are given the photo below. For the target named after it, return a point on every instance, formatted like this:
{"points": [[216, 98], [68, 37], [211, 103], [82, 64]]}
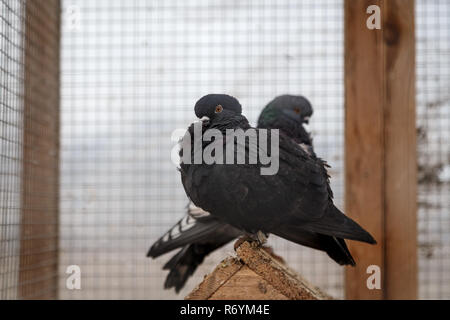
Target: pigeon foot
{"points": [[261, 237], [255, 239]]}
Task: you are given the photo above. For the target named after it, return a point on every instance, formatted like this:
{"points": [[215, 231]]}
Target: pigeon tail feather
{"points": [[336, 248], [186, 231], [335, 223], [182, 265]]}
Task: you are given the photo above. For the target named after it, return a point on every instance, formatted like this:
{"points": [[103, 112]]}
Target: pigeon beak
{"points": [[306, 120], [306, 127], [204, 119]]}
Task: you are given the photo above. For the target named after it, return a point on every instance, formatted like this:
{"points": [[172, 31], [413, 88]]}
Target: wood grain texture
{"points": [[400, 152], [247, 285], [283, 279], [380, 146], [254, 275], [364, 151], [38, 272], [212, 282]]}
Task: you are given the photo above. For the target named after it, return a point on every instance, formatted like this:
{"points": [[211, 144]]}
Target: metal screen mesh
{"points": [[433, 121], [131, 74], [11, 110], [29, 136]]}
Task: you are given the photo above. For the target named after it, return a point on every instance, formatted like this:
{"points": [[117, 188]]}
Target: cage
{"points": [[92, 91]]}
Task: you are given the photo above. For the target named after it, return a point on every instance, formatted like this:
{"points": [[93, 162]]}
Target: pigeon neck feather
{"points": [[232, 122], [289, 127]]}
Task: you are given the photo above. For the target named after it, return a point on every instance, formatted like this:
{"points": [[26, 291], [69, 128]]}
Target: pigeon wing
{"points": [[185, 231]]}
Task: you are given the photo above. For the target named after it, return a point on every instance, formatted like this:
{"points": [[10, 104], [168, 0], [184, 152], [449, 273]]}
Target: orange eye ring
{"points": [[219, 109], [297, 110]]}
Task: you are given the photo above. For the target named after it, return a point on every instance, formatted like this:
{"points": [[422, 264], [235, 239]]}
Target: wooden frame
{"points": [[38, 267], [380, 146]]}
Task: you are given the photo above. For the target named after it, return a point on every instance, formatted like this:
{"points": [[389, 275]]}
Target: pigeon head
{"points": [[289, 114], [287, 107], [214, 107]]}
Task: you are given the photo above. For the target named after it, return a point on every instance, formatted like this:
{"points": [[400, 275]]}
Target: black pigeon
{"points": [[198, 233], [289, 114], [296, 203]]}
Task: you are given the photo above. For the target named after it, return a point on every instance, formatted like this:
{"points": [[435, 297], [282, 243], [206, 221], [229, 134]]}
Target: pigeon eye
{"points": [[297, 110], [219, 109]]}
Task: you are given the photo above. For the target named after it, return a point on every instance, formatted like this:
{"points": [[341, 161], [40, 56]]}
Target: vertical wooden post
{"points": [[39, 224], [381, 146]]}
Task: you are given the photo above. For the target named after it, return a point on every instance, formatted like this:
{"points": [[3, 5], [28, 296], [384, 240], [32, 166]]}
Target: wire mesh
{"points": [[131, 73], [433, 121], [29, 148], [11, 109]]}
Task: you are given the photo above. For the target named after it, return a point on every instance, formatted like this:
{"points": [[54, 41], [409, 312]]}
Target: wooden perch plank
{"points": [[278, 275], [224, 271], [247, 285], [254, 274]]}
